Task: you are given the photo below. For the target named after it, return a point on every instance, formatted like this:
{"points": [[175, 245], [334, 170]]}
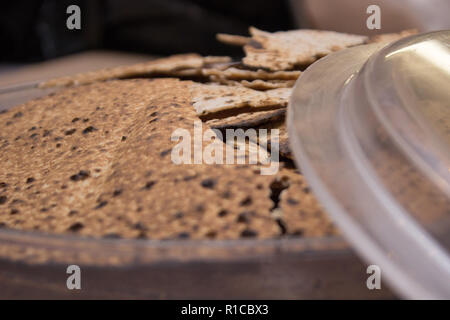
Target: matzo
{"points": [[267, 84], [213, 98], [247, 120], [95, 160], [286, 50], [170, 66], [233, 73]]}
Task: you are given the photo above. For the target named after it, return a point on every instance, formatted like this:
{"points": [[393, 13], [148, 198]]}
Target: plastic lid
{"points": [[370, 129]]}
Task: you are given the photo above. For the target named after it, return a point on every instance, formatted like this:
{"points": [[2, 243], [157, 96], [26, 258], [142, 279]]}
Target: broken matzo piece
{"points": [[233, 73], [283, 141], [286, 50], [247, 120], [213, 98], [254, 84], [267, 84], [172, 65]]}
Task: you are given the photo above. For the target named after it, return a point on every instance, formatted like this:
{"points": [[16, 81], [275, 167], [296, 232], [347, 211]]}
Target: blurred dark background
{"points": [[36, 30]]}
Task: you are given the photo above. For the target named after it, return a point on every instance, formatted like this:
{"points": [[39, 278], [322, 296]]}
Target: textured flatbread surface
{"points": [[286, 50], [283, 141], [95, 160], [254, 79], [247, 120], [213, 98], [260, 85], [267, 84], [176, 65], [299, 210], [234, 73]]}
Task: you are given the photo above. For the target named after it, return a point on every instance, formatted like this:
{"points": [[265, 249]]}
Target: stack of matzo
{"points": [[94, 158]]}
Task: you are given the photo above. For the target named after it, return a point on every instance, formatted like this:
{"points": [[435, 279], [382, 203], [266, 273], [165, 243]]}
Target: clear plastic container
{"points": [[370, 129]]}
